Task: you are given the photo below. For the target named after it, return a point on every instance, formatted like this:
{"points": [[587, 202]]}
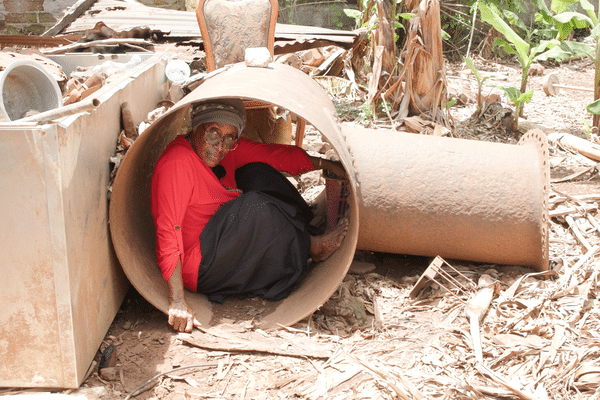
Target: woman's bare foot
{"points": [[322, 247]]}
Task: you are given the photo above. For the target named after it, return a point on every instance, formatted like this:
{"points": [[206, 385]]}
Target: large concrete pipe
{"points": [[410, 194], [459, 199], [131, 223]]}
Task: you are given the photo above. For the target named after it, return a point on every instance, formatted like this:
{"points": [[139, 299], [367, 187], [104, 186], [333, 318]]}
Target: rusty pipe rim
{"points": [[130, 218], [539, 140]]}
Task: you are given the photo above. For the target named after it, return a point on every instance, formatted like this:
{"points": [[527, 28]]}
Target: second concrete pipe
{"points": [[459, 199]]}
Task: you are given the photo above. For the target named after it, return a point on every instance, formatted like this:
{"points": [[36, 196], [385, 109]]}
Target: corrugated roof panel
{"points": [[121, 15]]}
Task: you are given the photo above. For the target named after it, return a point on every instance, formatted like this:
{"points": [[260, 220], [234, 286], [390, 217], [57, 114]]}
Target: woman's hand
{"points": [[181, 316], [335, 167]]}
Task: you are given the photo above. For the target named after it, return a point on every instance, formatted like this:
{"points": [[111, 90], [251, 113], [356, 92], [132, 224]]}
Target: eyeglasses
{"points": [[214, 138]]}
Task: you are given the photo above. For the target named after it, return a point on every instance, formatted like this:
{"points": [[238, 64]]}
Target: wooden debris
{"points": [[332, 65], [137, 44], [477, 307], [399, 384], [577, 144], [574, 175], [502, 381], [253, 342], [312, 58], [77, 91], [446, 276], [577, 232], [416, 124], [71, 15], [127, 120]]}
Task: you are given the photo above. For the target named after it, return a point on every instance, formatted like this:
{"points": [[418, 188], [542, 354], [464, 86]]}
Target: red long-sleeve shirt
{"points": [[186, 193]]}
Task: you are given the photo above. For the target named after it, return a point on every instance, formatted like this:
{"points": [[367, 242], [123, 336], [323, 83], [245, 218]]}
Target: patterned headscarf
{"points": [[226, 111]]}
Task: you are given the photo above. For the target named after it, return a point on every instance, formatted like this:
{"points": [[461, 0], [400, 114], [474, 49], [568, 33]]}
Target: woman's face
{"points": [[212, 154]]}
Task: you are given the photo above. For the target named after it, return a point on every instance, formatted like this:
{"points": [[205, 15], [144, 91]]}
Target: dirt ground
{"points": [[373, 341]]}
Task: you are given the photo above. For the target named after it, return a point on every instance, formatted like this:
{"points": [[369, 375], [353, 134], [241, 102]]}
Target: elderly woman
{"points": [[228, 223]]}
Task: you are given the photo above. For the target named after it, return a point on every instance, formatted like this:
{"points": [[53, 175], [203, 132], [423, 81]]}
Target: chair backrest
{"points": [[229, 27]]}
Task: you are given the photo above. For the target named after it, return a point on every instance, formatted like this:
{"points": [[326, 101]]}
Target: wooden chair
{"points": [[229, 27]]}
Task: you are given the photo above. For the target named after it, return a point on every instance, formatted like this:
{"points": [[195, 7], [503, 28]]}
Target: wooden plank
{"points": [[74, 12]]}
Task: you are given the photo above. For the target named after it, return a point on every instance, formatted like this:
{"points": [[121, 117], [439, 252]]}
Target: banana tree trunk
{"points": [[384, 62], [423, 74]]}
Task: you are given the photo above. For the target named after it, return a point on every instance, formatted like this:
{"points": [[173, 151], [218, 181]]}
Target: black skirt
{"points": [[257, 244]]}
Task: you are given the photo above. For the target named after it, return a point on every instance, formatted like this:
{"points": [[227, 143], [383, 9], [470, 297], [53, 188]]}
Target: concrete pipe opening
{"points": [[131, 224], [26, 86]]}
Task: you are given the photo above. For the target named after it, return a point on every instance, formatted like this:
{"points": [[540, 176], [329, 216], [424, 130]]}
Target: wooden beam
{"points": [[74, 12]]}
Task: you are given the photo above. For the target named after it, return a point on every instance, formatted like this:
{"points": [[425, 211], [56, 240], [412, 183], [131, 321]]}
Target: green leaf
{"points": [[594, 107], [578, 20], [516, 96], [559, 6], [579, 49], [556, 53], [406, 16], [507, 47], [564, 30], [595, 32], [589, 9], [450, 103], [492, 18], [545, 33], [539, 17], [542, 47], [567, 21], [512, 93], [398, 25], [525, 97], [355, 14], [470, 64], [514, 20], [565, 50], [543, 10]]}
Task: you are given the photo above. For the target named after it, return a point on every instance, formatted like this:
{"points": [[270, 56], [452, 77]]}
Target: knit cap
{"points": [[226, 111]]}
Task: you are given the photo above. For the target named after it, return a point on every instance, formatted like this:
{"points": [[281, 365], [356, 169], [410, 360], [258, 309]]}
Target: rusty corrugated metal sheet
{"points": [[35, 41], [121, 15]]}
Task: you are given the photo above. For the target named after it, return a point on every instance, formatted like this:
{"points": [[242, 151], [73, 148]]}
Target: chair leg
{"points": [[300, 125]]}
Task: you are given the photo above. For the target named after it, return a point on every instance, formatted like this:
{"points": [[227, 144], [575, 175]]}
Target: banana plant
{"points": [[526, 55], [366, 16], [565, 21], [480, 80]]}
